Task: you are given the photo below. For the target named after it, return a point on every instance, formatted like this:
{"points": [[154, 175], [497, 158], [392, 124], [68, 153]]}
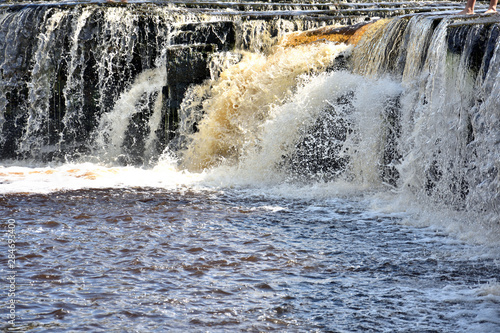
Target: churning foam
{"points": [[242, 98], [286, 125], [74, 176], [256, 113]]}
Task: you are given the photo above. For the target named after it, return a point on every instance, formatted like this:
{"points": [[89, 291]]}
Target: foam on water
{"points": [[251, 127], [286, 142], [71, 176]]}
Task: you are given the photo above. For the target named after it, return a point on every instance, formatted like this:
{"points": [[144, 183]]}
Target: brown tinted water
{"points": [[227, 260]]}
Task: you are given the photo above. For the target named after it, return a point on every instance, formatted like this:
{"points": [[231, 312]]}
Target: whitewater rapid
{"points": [[261, 153]]}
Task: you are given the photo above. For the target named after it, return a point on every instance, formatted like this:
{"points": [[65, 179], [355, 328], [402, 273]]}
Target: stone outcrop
{"points": [[350, 34]]}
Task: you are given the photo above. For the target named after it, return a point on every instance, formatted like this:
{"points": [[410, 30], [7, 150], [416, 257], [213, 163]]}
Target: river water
{"points": [[192, 254]]}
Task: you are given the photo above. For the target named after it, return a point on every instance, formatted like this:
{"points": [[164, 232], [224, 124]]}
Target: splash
{"points": [[240, 101], [332, 128], [114, 126]]}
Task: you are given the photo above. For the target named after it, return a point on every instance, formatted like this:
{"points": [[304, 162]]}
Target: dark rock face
{"points": [[318, 155], [221, 34], [188, 61], [186, 65]]}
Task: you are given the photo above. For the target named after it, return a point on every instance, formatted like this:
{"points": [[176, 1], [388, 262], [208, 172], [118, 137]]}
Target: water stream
{"points": [[323, 187]]}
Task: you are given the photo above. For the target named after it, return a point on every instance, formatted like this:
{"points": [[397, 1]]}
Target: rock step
{"points": [[266, 10], [330, 9]]}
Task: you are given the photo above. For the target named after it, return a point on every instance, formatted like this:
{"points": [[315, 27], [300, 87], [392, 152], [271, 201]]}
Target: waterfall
{"points": [[416, 116], [448, 142], [66, 69]]}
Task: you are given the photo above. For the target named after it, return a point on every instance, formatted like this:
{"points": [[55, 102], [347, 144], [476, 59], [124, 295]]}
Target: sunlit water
{"points": [[278, 214], [192, 256]]}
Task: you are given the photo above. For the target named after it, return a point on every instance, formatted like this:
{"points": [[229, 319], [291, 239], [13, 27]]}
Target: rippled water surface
{"points": [[149, 260]]}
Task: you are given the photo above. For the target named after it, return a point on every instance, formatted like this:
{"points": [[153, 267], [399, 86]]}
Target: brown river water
{"points": [[241, 259]]}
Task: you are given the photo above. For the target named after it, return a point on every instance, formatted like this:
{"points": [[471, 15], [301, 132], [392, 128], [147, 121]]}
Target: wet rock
{"points": [[186, 65], [348, 34], [221, 34]]}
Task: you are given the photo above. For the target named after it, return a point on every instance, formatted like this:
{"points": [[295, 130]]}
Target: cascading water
{"points": [[241, 99], [82, 59], [76, 66], [172, 169], [417, 134], [448, 97]]}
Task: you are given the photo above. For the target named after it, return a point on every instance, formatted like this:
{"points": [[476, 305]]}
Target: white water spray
{"points": [[113, 125]]}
